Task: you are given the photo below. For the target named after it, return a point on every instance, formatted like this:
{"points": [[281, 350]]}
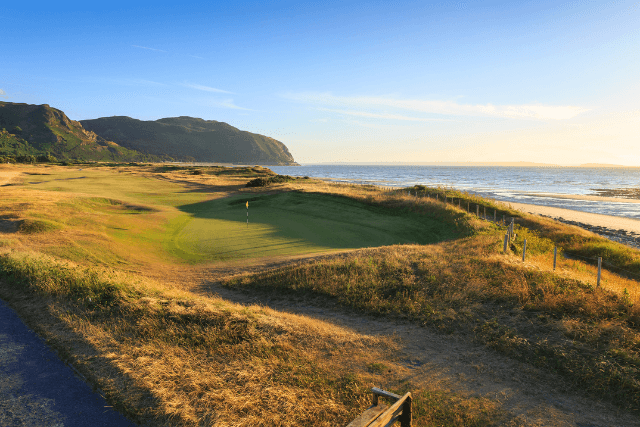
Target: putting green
{"points": [[291, 223], [183, 221]]}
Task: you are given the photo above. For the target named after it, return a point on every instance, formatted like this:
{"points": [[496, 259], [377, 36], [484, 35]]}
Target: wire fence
{"points": [[501, 218]]}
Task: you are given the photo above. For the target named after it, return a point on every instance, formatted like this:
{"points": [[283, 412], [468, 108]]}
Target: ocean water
{"points": [[508, 184]]}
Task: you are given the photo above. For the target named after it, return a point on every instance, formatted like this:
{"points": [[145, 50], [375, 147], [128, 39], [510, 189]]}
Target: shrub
{"points": [[26, 158], [263, 182], [7, 159], [46, 158]]}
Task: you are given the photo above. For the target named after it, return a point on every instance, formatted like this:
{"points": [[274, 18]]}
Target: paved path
{"points": [[38, 389]]}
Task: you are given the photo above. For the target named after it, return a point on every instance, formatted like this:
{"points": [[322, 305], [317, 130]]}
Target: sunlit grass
{"points": [[169, 357]]}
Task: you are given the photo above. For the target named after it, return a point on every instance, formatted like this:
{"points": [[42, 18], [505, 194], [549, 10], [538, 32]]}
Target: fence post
{"points": [[406, 417], [494, 215], [503, 220], [437, 199], [599, 269], [506, 237], [468, 208], [485, 212], [555, 256], [524, 249], [478, 210]]}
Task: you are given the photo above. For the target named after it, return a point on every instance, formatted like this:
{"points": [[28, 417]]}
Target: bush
{"points": [[7, 159], [263, 182], [46, 158], [27, 158]]}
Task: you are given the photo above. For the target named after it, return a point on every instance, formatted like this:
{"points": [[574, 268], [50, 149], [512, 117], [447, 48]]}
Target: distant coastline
{"points": [[474, 164]]}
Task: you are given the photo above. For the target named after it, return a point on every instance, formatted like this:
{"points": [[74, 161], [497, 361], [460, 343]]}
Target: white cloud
{"points": [[228, 103], [3, 94], [539, 112], [148, 48], [382, 116], [204, 88]]}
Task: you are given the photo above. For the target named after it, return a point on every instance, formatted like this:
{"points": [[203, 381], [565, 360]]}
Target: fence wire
{"points": [[505, 221]]}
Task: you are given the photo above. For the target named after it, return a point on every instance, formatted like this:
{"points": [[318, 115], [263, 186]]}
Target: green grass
{"points": [[32, 226], [293, 223], [123, 187], [191, 226], [463, 286]]}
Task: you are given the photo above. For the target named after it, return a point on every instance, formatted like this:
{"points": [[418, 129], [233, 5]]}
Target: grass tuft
{"points": [[33, 226]]}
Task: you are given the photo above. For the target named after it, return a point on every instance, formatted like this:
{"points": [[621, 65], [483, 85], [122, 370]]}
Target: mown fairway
{"points": [[197, 224], [291, 223]]}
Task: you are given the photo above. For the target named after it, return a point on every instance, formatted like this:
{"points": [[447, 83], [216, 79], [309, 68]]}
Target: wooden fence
{"points": [[382, 415]]}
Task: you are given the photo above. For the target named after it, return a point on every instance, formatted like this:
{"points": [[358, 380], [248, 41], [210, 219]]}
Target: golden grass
{"points": [[468, 287], [166, 356]]}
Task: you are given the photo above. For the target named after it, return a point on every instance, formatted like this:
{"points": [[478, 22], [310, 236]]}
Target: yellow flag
{"points": [[247, 205]]}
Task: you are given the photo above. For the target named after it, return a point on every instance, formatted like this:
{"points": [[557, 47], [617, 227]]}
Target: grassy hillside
{"points": [[189, 139], [113, 266], [40, 130]]}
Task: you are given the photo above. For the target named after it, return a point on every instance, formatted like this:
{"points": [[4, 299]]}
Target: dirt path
{"points": [[434, 361]]}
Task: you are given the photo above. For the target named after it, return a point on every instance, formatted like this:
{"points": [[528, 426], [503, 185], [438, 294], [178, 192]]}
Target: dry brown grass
{"points": [[166, 356], [468, 287]]}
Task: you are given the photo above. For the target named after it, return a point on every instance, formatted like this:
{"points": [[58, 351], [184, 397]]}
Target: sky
{"points": [[348, 81]]}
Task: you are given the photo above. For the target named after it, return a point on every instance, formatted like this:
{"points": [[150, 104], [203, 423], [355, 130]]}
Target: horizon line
{"points": [[478, 164]]}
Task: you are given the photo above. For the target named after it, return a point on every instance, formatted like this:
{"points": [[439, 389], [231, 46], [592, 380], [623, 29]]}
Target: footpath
{"points": [[38, 389]]}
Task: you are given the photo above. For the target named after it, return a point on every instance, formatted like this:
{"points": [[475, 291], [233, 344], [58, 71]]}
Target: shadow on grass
{"points": [[320, 220]]}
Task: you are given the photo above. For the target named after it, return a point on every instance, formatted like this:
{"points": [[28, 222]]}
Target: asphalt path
{"points": [[38, 389]]}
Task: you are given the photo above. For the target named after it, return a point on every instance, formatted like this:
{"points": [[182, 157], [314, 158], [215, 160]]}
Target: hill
{"points": [[192, 139], [39, 130]]}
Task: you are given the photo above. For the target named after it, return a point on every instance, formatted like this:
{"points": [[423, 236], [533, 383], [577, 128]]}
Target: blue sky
{"points": [[348, 81]]}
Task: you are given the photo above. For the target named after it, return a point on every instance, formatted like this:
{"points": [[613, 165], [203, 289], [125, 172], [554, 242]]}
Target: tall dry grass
{"points": [[467, 287], [166, 357]]}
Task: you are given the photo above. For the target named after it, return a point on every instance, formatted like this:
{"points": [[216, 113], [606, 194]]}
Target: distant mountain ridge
{"points": [[27, 129], [40, 129], [191, 139]]}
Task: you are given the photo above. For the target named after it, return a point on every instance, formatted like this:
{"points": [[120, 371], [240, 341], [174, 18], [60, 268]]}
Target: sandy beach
{"points": [[596, 220], [623, 230]]}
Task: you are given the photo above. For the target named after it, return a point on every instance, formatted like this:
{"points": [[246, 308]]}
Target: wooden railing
{"points": [[382, 415]]}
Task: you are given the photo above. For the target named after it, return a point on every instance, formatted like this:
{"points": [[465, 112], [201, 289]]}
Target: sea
{"points": [[532, 185]]}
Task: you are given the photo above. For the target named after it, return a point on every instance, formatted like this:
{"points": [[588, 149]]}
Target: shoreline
{"points": [[590, 198], [618, 229]]}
